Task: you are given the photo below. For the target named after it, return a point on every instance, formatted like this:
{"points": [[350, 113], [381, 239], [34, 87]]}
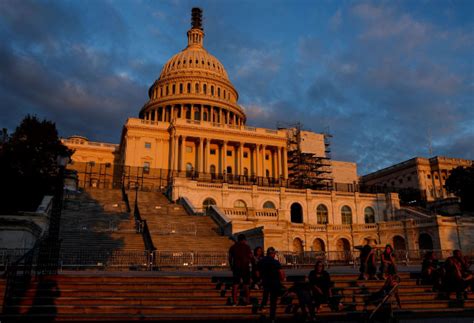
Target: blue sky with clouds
{"points": [[386, 77]]}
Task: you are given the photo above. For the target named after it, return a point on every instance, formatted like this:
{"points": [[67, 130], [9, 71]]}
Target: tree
{"points": [[28, 164], [461, 184]]}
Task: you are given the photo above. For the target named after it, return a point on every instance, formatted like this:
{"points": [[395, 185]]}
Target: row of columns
{"points": [[205, 113], [278, 157]]}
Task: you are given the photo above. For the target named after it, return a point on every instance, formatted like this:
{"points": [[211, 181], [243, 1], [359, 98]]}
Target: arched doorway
{"points": [[208, 202], [298, 245], [318, 245], [296, 213], [399, 243], [343, 246], [425, 242]]}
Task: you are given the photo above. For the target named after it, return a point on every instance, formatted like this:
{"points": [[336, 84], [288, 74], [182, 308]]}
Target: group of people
{"points": [[265, 271], [452, 276], [368, 264]]}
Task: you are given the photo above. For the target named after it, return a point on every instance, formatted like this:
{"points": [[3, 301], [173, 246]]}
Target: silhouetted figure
{"points": [[387, 262], [272, 276], [457, 277], [367, 268], [321, 287], [429, 269], [257, 256], [240, 258]]}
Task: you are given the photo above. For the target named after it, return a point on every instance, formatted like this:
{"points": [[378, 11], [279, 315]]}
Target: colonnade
{"points": [[264, 160], [193, 112]]}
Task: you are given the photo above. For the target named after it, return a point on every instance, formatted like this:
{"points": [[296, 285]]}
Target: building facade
{"points": [[191, 138], [428, 175]]}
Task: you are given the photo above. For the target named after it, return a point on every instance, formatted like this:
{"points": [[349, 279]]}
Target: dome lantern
{"points": [[196, 33]]}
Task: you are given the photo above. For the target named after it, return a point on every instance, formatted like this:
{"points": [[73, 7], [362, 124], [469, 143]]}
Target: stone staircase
{"points": [[172, 229], [97, 221], [147, 296]]}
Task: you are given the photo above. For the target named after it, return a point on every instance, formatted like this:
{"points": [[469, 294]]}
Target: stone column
{"points": [[280, 173], [241, 158], [220, 115], [200, 155], [257, 160], [183, 152], [182, 113], [208, 155], [172, 151], [201, 112], [285, 164], [263, 161], [176, 153], [224, 156]]}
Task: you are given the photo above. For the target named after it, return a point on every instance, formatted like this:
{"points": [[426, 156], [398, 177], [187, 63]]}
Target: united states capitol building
{"points": [[279, 186]]}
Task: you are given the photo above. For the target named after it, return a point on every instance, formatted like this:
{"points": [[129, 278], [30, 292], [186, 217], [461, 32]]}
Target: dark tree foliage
{"points": [[28, 164], [461, 183]]}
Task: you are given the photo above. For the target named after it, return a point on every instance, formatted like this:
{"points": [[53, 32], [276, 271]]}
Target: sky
{"points": [[390, 80]]}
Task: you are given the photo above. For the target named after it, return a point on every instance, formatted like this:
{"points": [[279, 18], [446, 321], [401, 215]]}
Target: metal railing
{"points": [[141, 226], [116, 260]]}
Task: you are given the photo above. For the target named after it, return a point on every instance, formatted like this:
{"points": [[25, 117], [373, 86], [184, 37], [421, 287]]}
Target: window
{"points": [[204, 88], [167, 90], [212, 151], [346, 215], [189, 149], [189, 87], [408, 178], [369, 215], [229, 152], [246, 154], [269, 205], [400, 180], [174, 89], [322, 214], [181, 88], [246, 171], [429, 176], [147, 145], [267, 173], [240, 204], [213, 169], [267, 157], [146, 167], [212, 90], [229, 170], [219, 92], [196, 88]]}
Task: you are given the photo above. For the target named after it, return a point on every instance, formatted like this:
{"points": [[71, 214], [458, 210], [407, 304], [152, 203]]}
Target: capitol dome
{"points": [[194, 85]]}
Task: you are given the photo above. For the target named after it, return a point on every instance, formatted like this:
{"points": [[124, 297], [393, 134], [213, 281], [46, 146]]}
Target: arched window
{"points": [[346, 215], [174, 88], [298, 245], [204, 89], [167, 90], [369, 215], [219, 92], [213, 169], [246, 171], [269, 205], [229, 170], [196, 90], [208, 202], [322, 214], [240, 204], [180, 88], [189, 87], [425, 242], [197, 115], [204, 116], [267, 173], [296, 213], [212, 90], [188, 113]]}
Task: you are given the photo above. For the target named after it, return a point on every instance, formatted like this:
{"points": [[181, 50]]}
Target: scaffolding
{"points": [[307, 169]]}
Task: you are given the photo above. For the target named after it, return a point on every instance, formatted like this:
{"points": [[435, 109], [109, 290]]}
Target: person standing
{"points": [[367, 268], [257, 256], [272, 276], [387, 264], [240, 258]]}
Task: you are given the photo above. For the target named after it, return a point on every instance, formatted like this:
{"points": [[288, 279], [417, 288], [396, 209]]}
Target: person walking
{"points": [[257, 256], [240, 258], [272, 277]]}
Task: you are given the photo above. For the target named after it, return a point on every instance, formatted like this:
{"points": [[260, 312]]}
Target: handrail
{"points": [[125, 199], [188, 206], [142, 227], [385, 299], [220, 219]]}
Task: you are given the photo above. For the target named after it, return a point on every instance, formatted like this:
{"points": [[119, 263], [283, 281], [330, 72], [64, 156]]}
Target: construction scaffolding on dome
{"points": [[307, 168]]}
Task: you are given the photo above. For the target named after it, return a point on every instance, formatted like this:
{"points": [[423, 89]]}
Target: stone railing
{"points": [[189, 207], [242, 212], [219, 217], [266, 213]]}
